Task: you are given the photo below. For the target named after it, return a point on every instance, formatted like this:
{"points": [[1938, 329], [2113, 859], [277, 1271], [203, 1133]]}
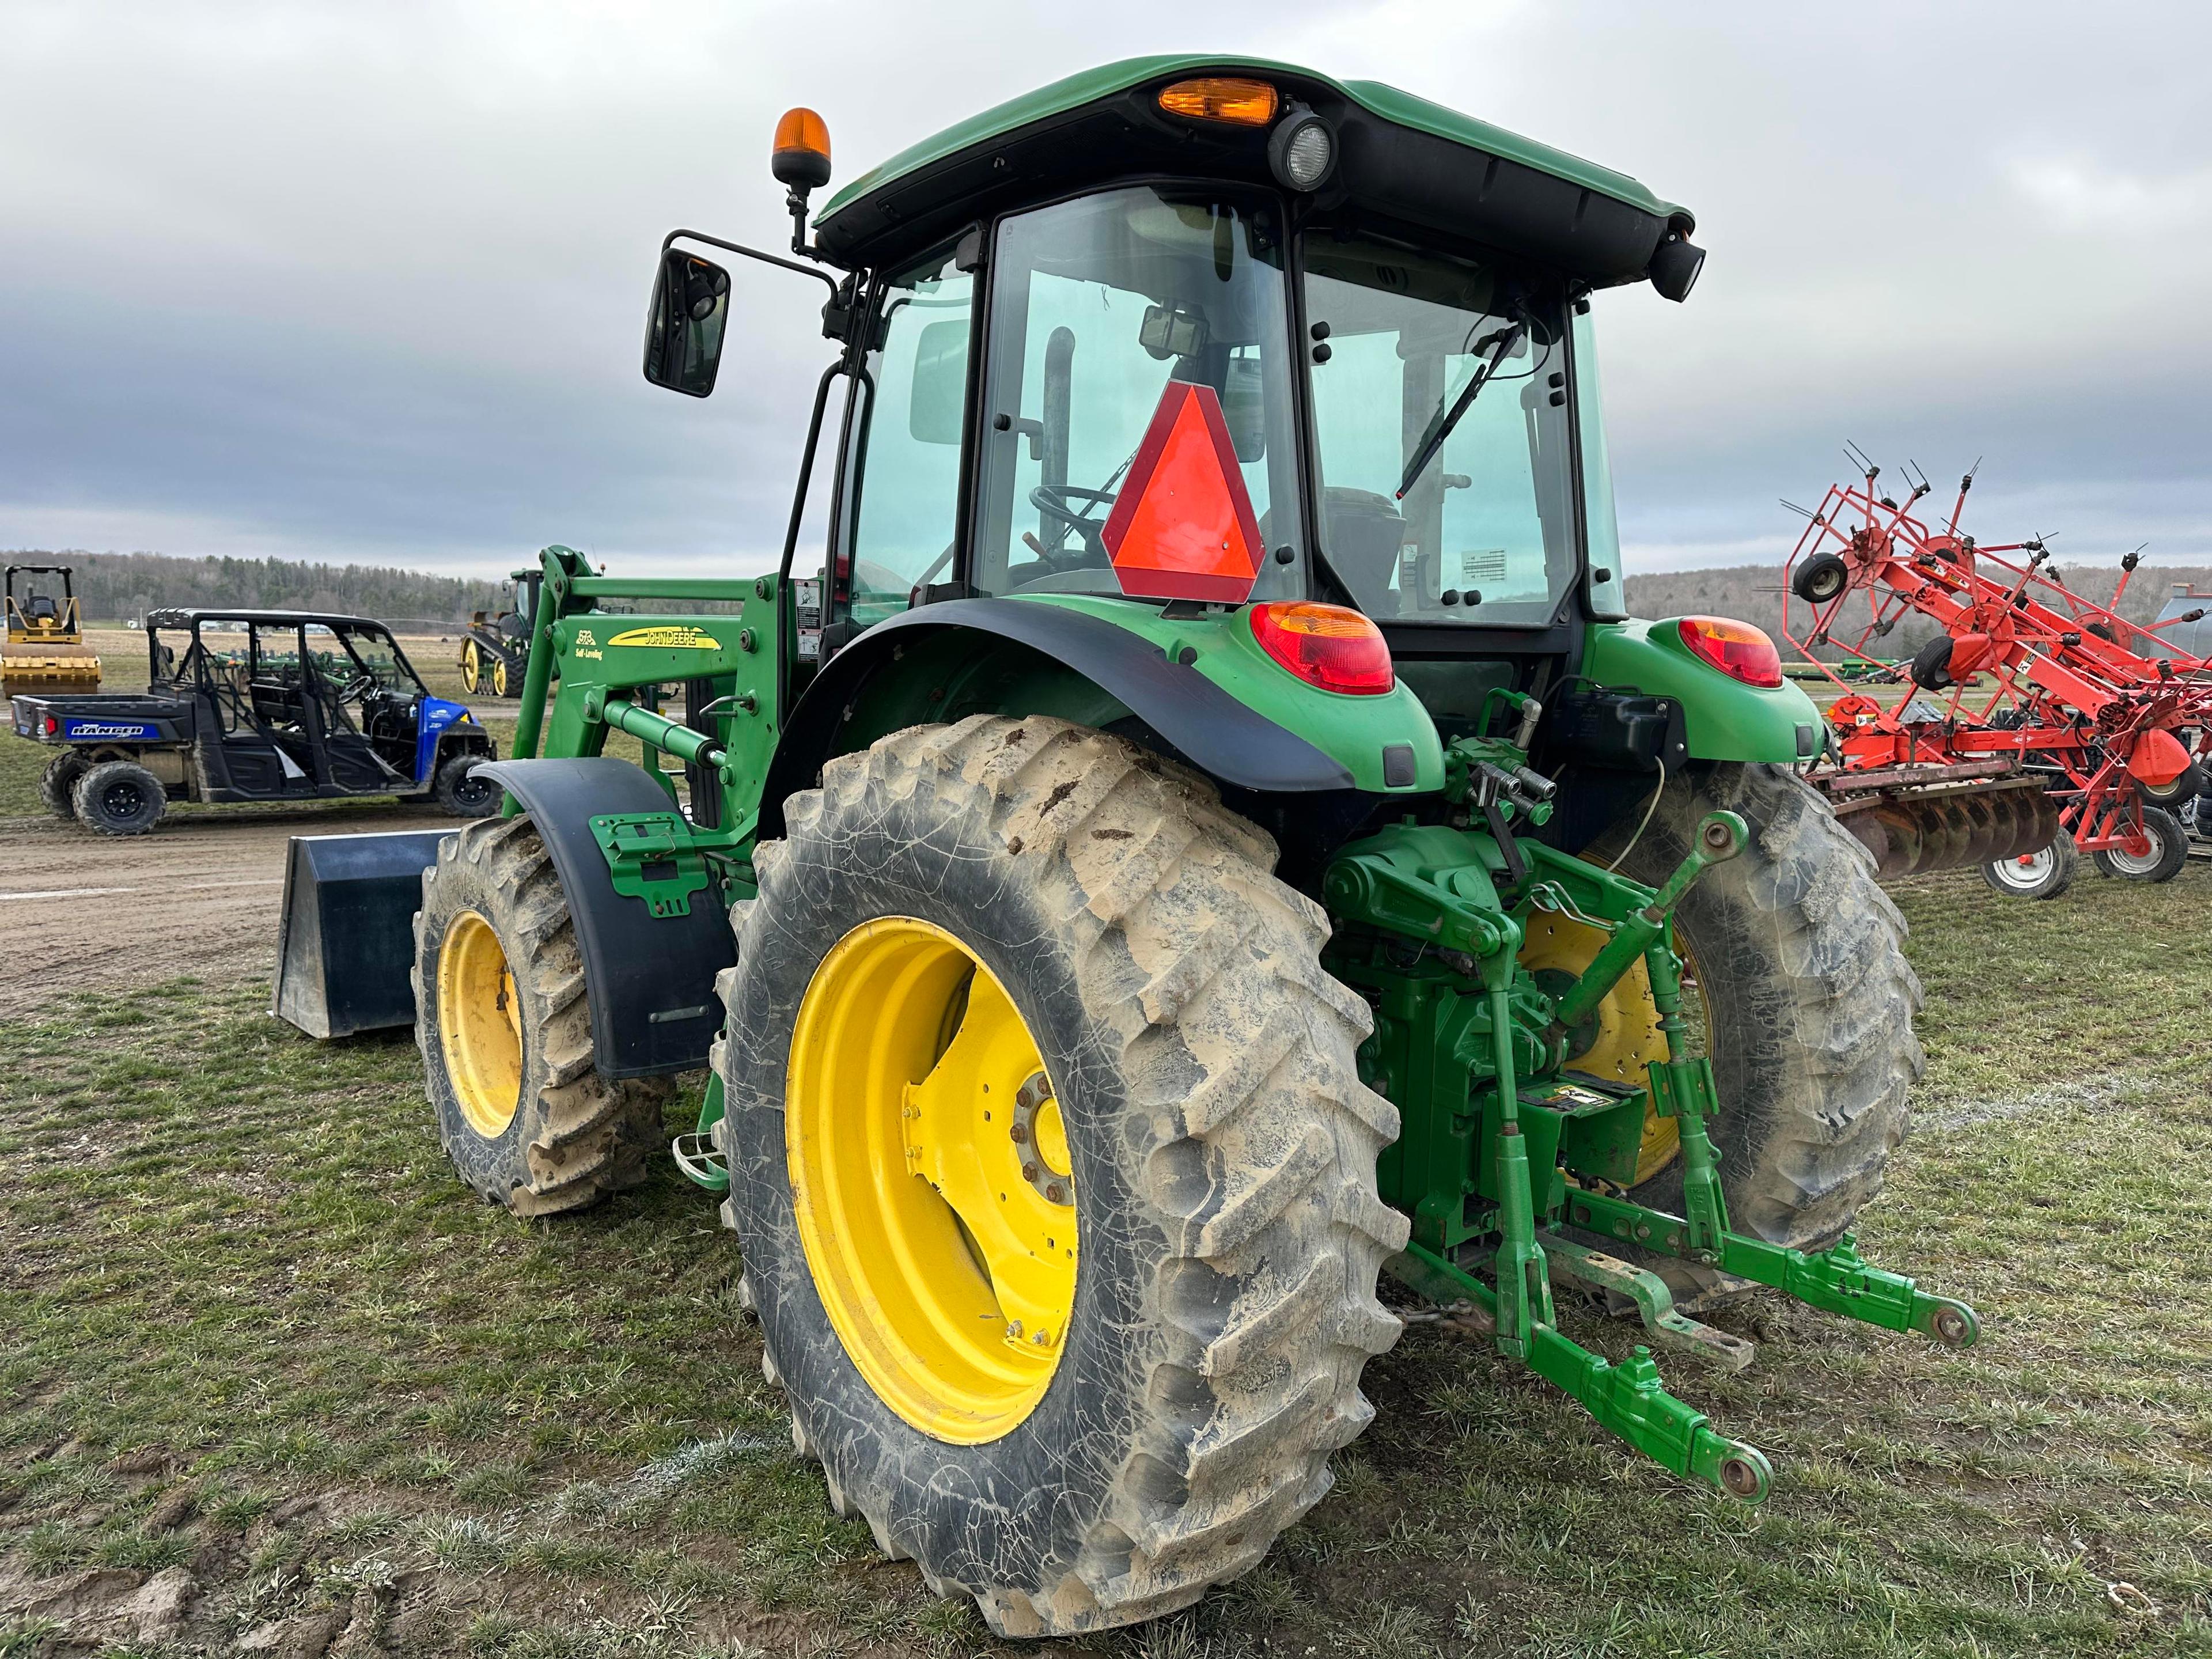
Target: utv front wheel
{"points": [[1054, 1176], [461, 789], [506, 1032]]}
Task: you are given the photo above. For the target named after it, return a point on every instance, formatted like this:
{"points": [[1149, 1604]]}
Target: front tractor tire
{"points": [[1053, 1172], [501, 1018], [1808, 1001]]}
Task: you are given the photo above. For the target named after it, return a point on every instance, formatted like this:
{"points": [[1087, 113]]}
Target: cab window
{"points": [[1442, 428], [1097, 306], [905, 471]]}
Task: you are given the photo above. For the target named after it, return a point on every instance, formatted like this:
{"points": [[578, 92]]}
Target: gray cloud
{"points": [[367, 281]]}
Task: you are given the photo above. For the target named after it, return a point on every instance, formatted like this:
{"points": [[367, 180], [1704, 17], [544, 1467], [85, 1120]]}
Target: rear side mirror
{"points": [[940, 383], [683, 329]]}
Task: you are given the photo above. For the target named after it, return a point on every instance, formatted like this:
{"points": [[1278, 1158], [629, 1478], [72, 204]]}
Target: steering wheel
{"points": [[360, 685], [1042, 498]]}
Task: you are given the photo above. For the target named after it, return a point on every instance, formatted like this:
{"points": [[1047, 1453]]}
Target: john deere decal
{"points": [[669, 639]]}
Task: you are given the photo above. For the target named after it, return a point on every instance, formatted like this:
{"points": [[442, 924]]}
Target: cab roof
{"points": [[1401, 157]]}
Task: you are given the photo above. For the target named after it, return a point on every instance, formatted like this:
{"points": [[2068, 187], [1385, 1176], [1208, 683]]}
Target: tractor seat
{"points": [[42, 608]]}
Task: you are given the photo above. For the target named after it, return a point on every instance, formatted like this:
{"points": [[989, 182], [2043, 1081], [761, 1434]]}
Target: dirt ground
{"points": [[198, 896]]}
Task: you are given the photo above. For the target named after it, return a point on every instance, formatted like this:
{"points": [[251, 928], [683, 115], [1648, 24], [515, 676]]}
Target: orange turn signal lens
{"points": [[1221, 98], [1737, 649], [1325, 645]]}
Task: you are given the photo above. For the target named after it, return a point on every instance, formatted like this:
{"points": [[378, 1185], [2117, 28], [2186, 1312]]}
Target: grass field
{"points": [[258, 1336]]}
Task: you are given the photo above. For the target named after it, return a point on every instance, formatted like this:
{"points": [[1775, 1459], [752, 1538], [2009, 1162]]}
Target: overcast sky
{"points": [[367, 280]]}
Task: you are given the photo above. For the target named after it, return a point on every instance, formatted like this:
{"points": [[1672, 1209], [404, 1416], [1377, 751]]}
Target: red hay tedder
{"points": [[2036, 711]]}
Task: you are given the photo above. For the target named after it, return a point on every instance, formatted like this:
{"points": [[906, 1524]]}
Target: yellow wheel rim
{"points": [[1627, 1038], [499, 676], [479, 1026], [930, 1180], [469, 666]]}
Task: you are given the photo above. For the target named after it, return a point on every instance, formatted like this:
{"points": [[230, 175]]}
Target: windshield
{"points": [[1097, 306], [1484, 530], [367, 652]]}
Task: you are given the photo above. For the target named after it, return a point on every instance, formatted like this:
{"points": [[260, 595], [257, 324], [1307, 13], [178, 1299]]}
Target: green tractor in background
{"points": [[1207, 834]]}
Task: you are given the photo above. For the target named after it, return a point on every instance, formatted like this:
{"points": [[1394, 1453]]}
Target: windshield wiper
{"points": [[1506, 339]]}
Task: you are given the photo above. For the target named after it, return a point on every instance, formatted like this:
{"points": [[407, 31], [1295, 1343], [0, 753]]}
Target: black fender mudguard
{"points": [[1211, 729], [649, 979]]}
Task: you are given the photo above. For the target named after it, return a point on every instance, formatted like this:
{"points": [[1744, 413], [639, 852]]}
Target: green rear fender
{"points": [[1353, 730], [1724, 718], [1202, 683]]}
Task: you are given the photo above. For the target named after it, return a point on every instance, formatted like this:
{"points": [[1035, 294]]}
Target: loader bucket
{"points": [[345, 947], [1916, 828]]}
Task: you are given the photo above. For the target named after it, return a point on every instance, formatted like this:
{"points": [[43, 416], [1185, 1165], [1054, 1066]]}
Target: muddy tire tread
{"points": [[1270, 1161], [592, 1136]]}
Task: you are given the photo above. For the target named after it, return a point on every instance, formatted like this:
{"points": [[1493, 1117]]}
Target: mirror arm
{"points": [[822, 276]]}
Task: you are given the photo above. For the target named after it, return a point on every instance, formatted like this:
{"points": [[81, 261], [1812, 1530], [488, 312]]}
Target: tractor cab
{"points": [[1218, 333]]}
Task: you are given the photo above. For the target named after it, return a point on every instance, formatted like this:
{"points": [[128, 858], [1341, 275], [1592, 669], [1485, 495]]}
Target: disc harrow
{"points": [[2034, 710]]}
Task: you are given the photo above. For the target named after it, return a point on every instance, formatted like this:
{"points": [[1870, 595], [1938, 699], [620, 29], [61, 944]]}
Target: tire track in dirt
{"points": [[200, 896]]}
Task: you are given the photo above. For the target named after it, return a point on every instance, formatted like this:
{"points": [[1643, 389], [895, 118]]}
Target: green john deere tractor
{"points": [[1208, 834]]}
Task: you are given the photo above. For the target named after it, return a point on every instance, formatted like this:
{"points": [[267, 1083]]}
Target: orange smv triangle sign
{"points": [[1182, 527]]}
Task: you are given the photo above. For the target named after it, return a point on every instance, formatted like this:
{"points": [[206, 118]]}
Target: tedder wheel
{"points": [[506, 1032], [2042, 875], [1808, 1005], [57, 783], [1820, 578], [118, 797], [2160, 861], [1053, 1172], [459, 790], [471, 667]]}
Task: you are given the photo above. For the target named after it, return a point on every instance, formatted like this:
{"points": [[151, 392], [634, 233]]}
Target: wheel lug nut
{"points": [[1019, 1131], [1028, 1172]]}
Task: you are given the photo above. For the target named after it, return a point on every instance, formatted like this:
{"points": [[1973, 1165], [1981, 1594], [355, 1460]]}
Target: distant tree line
{"points": [[121, 586], [1752, 593]]}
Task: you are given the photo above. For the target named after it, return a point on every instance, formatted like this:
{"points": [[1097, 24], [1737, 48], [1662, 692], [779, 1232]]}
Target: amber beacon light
{"points": [[801, 159]]}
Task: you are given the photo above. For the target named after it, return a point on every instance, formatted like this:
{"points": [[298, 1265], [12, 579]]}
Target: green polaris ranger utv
{"points": [[1208, 834]]}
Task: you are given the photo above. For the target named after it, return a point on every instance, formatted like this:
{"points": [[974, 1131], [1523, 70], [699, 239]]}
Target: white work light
{"points": [[1302, 149]]}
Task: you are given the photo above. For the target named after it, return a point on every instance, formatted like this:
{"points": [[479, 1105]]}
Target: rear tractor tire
{"points": [[502, 1017], [118, 797], [1013, 994], [1798, 959], [2160, 862], [57, 783]]}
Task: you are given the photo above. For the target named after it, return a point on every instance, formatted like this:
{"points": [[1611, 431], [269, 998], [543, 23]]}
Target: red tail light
{"points": [[1737, 649], [1327, 646], [52, 725]]}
